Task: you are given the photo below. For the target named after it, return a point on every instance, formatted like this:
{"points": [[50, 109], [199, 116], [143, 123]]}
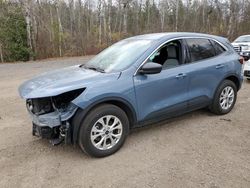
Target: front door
{"points": [[164, 94]]}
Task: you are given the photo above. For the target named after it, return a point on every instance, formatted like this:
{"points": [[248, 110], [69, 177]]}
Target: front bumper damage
{"points": [[54, 125]]}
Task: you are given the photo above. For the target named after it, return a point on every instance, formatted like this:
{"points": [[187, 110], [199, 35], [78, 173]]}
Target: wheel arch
{"points": [[232, 77], [235, 80], [82, 113]]}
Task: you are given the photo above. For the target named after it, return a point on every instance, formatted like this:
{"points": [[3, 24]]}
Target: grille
{"points": [[237, 48]]}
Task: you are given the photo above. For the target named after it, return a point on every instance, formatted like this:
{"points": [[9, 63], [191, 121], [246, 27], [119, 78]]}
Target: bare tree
{"points": [[100, 21], [60, 29], [163, 8], [125, 15], [109, 20], [27, 13], [1, 53], [176, 15]]}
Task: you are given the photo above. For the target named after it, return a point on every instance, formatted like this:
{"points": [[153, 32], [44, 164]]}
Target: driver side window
{"points": [[169, 55]]}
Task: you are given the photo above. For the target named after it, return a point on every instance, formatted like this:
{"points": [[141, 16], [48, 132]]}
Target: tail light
{"points": [[241, 60]]}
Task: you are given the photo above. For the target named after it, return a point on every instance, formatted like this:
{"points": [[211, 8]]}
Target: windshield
{"points": [[118, 56], [243, 39]]}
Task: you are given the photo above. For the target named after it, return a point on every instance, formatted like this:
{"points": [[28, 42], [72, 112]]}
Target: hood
{"points": [[60, 81], [241, 43]]}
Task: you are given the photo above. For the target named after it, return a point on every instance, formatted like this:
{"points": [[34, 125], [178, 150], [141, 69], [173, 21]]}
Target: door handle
{"points": [[181, 75], [219, 66]]}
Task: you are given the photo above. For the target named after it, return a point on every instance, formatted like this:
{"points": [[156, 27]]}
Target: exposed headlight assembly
{"points": [[46, 105], [61, 101]]}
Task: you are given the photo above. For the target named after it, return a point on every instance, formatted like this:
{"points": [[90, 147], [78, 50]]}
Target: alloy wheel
{"points": [[106, 132], [227, 98]]}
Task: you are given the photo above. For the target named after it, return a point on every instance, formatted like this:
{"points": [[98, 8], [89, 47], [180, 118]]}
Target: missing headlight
{"points": [[61, 101], [40, 106]]}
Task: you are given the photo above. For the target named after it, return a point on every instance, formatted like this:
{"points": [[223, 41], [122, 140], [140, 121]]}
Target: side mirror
{"points": [[150, 68]]}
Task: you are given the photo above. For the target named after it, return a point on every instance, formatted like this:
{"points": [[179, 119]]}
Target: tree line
{"points": [[36, 29]]}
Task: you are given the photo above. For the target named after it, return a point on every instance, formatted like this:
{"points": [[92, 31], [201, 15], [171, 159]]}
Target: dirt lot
{"points": [[198, 149]]}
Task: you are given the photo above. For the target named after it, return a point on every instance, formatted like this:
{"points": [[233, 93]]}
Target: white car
{"points": [[247, 69], [242, 46]]}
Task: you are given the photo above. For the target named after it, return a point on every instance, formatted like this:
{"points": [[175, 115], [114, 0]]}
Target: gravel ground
{"points": [[198, 149]]}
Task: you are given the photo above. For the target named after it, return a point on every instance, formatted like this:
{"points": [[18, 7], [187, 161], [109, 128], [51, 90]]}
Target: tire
{"points": [[96, 129], [217, 106]]}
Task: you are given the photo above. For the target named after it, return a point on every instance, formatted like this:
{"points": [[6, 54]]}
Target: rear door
{"points": [[207, 66]]}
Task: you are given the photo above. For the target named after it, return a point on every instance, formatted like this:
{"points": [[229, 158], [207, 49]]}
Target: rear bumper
{"points": [[247, 69], [247, 73], [245, 54]]}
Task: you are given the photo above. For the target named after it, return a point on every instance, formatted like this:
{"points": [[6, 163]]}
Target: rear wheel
{"points": [[103, 131], [225, 98]]}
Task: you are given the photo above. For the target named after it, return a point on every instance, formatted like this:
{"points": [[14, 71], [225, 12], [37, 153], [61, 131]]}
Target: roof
{"points": [[244, 36], [161, 36]]}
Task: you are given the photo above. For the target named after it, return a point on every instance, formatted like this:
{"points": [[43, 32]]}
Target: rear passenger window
{"points": [[218, 48], [200, 49]]}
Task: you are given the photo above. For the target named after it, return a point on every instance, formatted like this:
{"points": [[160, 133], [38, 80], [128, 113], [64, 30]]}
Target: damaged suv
{"points": [[137, 81]]}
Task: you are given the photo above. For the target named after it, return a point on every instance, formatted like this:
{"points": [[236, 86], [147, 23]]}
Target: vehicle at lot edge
{"points": [[242, 46], [137, 81], [247, 69]]}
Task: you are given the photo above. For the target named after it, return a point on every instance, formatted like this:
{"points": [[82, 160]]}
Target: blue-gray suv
{"points": [[137, 81]]}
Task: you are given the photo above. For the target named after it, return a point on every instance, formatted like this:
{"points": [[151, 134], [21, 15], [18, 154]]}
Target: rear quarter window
{"points": [[200, 49], [218, 48]]}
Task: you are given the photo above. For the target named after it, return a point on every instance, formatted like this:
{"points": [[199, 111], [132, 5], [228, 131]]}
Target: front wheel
{"points": [[225, 98], [104, 130]]}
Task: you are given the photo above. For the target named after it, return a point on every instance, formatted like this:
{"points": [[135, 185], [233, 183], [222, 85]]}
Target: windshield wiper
{"points": [[98, 69]]}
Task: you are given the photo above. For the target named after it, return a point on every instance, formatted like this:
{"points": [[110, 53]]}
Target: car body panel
{"points": [[205, 76], [67, 79], [160, 94], [120, 89]]}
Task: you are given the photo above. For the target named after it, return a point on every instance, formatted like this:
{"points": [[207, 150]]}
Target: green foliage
{"points": [[13, 33]]}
